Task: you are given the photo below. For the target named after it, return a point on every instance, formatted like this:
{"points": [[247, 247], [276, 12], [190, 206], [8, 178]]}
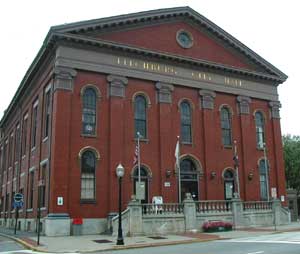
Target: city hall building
{"points": [[163, 73]]}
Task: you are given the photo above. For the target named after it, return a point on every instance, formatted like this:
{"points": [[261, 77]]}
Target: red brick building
{"points": [[164, 73]]}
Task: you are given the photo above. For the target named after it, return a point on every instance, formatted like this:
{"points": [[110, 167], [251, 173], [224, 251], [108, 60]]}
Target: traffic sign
{"points": [[18, 204], [18, 197]]}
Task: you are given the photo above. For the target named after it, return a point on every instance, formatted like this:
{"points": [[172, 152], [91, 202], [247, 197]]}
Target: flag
{"points": [[236, 160], [177, 155], [136, 155]]}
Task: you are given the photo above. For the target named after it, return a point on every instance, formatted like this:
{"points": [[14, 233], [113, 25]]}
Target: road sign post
{"points": [[18, 203]]}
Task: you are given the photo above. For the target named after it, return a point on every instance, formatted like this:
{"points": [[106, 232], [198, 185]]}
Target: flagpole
{"points": [[177, 154], [237, 169], [139, 159]]}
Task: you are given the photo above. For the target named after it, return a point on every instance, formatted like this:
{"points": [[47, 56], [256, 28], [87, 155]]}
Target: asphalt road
{"points": [[7, 245], [284, 243]]}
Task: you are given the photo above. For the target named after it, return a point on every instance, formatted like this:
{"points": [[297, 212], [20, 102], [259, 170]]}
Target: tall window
{"points": [[42, 185], [24, 135], [34, 124], [260, 134], [4, 163], [31, 189], [140, 116], [17, 143], [88, 167], [46, 113], [226, 126], [89, 112], [186, 122], [263, 167], [10, 151]]}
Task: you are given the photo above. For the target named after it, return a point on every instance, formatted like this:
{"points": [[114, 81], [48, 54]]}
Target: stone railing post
{"points": [[237, 212], [276, 207], [135, 218], [189, 209]]}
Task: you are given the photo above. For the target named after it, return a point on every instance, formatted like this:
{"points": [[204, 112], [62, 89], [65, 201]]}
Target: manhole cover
{"points": [[102, 241], [157, 237]]}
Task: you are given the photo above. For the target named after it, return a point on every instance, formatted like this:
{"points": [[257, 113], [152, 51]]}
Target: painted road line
{"points": [[257, 252]]}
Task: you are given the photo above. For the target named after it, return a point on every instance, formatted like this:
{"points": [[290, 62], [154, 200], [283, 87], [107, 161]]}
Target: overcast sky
{"points": [[269, 27]]}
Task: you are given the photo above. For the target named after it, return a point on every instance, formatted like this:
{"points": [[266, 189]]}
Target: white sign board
{"points": [[60, 200], [274, 192], [282, 198], [140, 190], [167, 184]]}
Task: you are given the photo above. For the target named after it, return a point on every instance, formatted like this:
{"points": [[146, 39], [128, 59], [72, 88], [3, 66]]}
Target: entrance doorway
{"points": [[229, 184], [189, 179], [144, 183]]}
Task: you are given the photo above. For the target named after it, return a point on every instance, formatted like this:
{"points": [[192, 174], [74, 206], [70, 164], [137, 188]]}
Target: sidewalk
{"points": [[90, 243]]}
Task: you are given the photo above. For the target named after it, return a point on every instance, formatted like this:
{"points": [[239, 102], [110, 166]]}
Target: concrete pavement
{"points": [[90, 243]]}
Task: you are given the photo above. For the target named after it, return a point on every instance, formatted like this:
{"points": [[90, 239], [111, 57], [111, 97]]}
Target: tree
{"points": [[291, 153]]}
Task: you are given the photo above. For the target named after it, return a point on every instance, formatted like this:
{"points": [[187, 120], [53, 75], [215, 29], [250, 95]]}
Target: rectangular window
{"points": [[6, 202], [12, 201], [2, 204], [34, 124], [46, 113], [4, 155], [24, 134], [17, 143], [42, 185], [10, 151], [1, 160], [31, 189]]}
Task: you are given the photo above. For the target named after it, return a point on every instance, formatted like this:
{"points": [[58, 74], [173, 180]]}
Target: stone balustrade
{"points": [[213, 206], [257, 205]]}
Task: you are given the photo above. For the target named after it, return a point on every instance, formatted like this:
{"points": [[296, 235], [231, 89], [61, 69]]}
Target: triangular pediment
{"points": [[157, 31]]}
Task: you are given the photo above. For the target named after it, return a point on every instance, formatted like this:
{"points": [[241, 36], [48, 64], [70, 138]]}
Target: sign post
{"points": [[18, 203]]}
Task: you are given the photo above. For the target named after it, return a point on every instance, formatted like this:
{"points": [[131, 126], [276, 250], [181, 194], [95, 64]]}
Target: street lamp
{"points": [[120, 173]]}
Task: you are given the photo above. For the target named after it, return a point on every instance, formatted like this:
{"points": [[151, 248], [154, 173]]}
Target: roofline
{"points": [[184, 11]]}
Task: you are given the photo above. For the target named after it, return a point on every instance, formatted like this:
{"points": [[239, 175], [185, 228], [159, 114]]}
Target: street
{"points": [[8, 245], [284, 243], [280, 243]]}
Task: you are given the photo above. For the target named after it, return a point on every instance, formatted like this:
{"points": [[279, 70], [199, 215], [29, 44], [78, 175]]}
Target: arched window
{"points": [[260, 134], [263, 179], [186, 122], [88, 167], [226, 126], [89, 112], [140, 116]]}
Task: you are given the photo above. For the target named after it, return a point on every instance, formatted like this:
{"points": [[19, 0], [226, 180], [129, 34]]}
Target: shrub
{"points": [[210, 226]]}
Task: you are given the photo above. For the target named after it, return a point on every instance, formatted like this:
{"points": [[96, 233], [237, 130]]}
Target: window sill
{"points": [[259, 148], [145, 140], [29, 210], [43, 208], [186, 143], [87, 201], [88, 135], [227, 147]]}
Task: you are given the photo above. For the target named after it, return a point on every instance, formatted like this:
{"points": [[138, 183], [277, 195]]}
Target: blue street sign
{"points": [[18, 197], [18, 204]]}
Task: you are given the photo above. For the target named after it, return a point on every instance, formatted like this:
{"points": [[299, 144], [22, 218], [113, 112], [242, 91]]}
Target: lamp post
{"points": [[120, 173]]}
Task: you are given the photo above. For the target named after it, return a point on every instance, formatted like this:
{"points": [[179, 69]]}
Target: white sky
{"points": [[269, 27]]}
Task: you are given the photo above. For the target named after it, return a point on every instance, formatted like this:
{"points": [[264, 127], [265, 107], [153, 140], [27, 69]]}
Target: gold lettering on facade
{"points": [[233, 82], [166, 69]]}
